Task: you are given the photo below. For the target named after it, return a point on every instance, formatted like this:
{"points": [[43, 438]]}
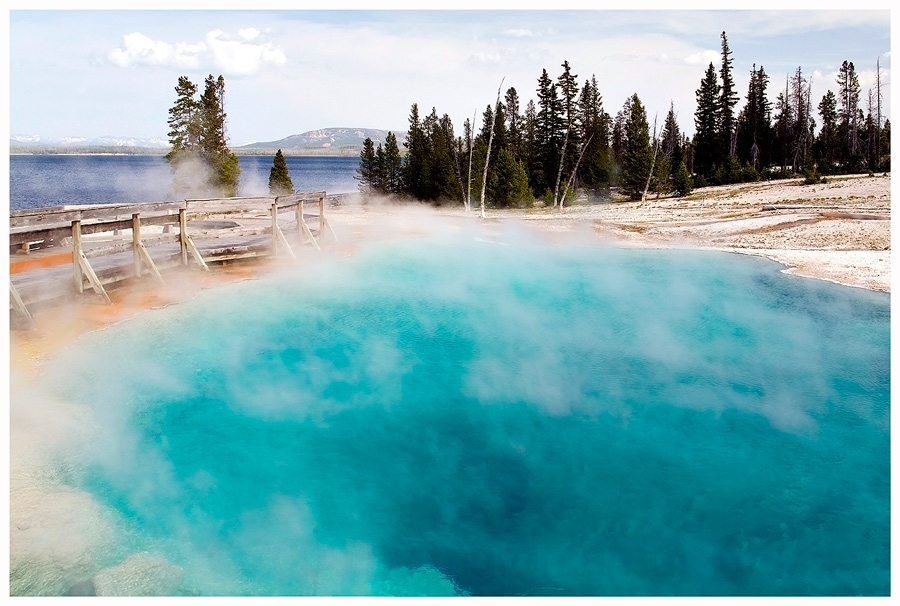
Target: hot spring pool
{"points": [[431, 418]]}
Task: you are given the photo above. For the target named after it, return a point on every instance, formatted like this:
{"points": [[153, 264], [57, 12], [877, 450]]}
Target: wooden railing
{"points": [[43, 241]]}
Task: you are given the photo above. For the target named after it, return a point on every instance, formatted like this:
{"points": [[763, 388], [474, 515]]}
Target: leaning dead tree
{"points": [[471, 147], [652, 162], [562, 159], [487, 156], [570, 184]]}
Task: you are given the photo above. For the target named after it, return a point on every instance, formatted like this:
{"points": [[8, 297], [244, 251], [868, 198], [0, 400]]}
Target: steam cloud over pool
{"points": [[454, 416]]}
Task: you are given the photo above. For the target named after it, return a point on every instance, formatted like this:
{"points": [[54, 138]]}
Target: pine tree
{"points": [[828, 143], [706, 124], [513, 122], [550, 127], [391, 166], [637, 154], [594, 169], [509, 184], [279, 177], [367, 172], [567, 83], [784, 118], [671, 138], [184, 122], [848, 94], [727, 100], [682, 182], [754, 130], [228, 174], [198, 133], [415, 155], [530, 151]]}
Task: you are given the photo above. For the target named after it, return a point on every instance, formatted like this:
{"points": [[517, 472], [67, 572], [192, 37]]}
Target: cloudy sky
{"points": [[112, 73]]}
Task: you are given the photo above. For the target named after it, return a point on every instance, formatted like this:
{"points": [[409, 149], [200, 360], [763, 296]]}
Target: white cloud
{"points": [[702, 58], [249, 33], [139, 49], [519, 33], [237, 55]]}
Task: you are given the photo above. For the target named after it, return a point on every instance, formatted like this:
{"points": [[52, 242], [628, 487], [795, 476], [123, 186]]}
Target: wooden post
{"points": [[136, 243], [182, 236], [76, 253], [300, 220], [140, 251], [322, 216], [278, 235], [187, 245], [274, 211]]}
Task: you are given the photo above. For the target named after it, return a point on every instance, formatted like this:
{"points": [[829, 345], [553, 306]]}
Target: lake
{"points": [[37, 181]]}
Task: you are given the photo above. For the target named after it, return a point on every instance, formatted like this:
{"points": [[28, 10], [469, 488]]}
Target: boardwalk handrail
{"points": [[64, 226]]}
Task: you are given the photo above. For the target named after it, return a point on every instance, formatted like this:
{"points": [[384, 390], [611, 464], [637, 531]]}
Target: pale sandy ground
{"points": [[813, 236], [56, 532]]}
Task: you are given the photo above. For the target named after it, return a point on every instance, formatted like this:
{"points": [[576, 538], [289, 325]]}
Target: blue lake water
{"points": [[456, 417], [37, 181]]}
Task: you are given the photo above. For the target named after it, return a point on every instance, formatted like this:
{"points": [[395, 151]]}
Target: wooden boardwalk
{"points": [[70, 251]]}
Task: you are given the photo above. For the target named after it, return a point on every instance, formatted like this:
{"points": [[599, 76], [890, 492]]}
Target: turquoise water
{"points": [[470, 418]]}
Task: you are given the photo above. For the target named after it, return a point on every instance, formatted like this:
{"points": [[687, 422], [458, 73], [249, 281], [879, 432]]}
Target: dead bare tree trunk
{"points": [[487, 156], [471, 147], [652, 162], [562, 160], [571, 181]]}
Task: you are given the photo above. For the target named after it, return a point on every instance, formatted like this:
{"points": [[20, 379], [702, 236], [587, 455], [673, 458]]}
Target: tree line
{"points": [[200, 158], [566, 141]]}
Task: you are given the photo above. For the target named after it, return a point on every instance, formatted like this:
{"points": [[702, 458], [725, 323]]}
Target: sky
{"points": [[92, 73]]}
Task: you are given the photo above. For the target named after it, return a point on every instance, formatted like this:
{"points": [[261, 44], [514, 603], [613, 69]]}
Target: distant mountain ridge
{"points": [[327, 139], [324, 140], [38, 140]]}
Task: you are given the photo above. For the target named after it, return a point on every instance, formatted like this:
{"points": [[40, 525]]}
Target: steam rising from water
{"points": [[445, 415]]}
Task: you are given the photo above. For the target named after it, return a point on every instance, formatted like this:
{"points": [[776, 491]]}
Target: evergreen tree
{"points": [[567, 83], [228, 174], [513, 122], [706, 121], [637, 154], [754, 130], [198, 134], [212, 119], [415, 155], [827, 145], [550, 128], [784, 119], [618, 141], [509, 184], [594, 169], [728, 98], [662, 180], [530, 150], [390, 166], [848, 94], [671, 138], [367, 173], [438, 174], [184, 121], [682, 182], [279, 177]]}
